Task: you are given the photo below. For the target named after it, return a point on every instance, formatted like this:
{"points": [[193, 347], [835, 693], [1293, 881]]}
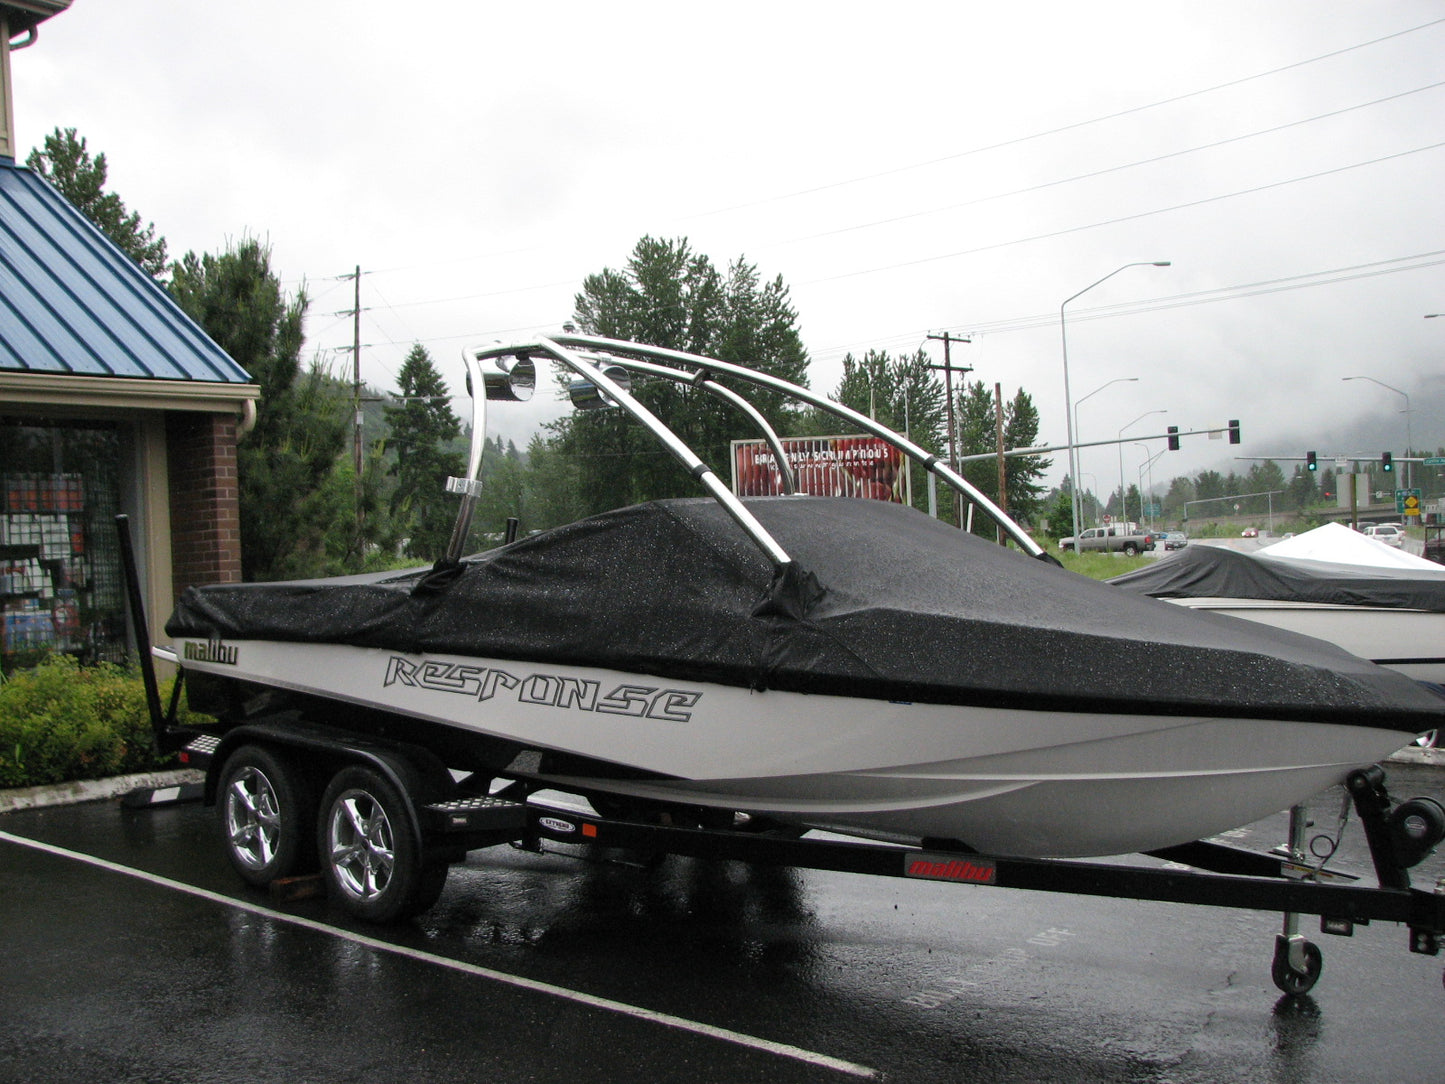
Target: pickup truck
{"points": [[1109, 540]]}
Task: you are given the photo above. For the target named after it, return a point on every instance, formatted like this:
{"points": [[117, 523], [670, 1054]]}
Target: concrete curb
{"points": [[1415, 754], [92, 790]]}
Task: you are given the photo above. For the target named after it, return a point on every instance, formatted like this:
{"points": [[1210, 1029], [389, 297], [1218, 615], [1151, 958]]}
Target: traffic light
{"points": [[1310, 463], [1173, 438], [1233, 430], [1387, 462]]}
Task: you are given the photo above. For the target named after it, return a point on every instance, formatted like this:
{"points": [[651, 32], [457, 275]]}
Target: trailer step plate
{"points": [[197, 752], [476, 813]]}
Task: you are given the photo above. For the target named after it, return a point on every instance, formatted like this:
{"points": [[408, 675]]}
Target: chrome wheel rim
{"points": [[253, 818], [360, 845]]}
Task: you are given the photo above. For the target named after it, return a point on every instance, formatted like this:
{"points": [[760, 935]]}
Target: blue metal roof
{"points": [[72, 302]]}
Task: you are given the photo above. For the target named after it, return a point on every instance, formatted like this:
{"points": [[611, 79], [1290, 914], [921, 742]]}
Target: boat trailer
{"points": [[441, 819], [1204, 872], [1219, 875]]}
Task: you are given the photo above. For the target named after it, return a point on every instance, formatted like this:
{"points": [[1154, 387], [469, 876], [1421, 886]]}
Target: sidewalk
{"points": [[92, 790]]}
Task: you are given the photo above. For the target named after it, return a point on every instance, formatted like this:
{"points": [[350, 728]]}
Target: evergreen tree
{"points": [[1209, 484], [1023, 472], [903, 394], [285, 461], [551, 487], [421, 427], [1302, 493], [975, 415], [67, 165], [1181, 491], [1265, 478]]}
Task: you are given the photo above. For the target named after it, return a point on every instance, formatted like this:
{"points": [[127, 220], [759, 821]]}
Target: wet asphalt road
{"points": [[545, 968]]}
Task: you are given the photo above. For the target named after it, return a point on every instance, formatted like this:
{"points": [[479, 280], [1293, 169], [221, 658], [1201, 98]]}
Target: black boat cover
{"points": [[883, 602], [1216, 572]]}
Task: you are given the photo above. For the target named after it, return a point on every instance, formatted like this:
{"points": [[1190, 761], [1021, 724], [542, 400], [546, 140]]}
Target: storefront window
{"points": [[61, 587]]}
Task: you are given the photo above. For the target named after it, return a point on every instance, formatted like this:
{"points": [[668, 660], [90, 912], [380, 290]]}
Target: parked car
{"points": [[1387, 533], [1123, 538]]}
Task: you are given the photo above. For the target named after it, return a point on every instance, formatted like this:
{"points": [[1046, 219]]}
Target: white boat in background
{"points": [[1332, 583], [1335, 543]]}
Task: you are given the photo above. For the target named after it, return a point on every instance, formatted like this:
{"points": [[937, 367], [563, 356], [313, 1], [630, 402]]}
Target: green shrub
{"points": [[61, 722]]}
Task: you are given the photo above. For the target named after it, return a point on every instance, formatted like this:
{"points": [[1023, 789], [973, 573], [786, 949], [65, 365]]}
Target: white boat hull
{"points": [[1410, 641], [1003, 781]]}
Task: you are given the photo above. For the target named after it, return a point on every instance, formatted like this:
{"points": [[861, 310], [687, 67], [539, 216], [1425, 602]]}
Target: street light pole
{"points": [[1078, 432], [1149, 465], [1124, 504], [1068, 394], [1409, 440]]}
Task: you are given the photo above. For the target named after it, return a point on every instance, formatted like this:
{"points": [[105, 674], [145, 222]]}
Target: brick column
{"points": [[205, 506]]}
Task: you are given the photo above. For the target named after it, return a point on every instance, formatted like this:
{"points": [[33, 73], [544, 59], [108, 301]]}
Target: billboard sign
{"points": [[840, 466]]}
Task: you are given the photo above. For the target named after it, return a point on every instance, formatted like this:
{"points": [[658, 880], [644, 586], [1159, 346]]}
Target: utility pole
{"points": [[356, 442], [1002, 471], [356, 373], [948, 371]]}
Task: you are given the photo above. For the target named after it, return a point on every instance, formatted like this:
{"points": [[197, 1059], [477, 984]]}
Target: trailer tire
{"points": [[265, 810], [370, 857]]}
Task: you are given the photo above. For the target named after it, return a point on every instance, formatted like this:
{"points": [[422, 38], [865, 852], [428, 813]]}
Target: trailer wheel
{"points": [[1292, 981], [369, 853], [266, 812]]}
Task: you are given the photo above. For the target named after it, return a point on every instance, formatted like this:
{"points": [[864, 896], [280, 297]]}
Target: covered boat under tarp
{"points": [[881, 602], [1217, 572]]}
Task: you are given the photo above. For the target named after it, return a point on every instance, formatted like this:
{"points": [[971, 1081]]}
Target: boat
{"points": [[1331, 583], [805, 661]]}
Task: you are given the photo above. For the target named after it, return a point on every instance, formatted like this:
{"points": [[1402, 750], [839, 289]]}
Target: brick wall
{"points": [[205, 509]]}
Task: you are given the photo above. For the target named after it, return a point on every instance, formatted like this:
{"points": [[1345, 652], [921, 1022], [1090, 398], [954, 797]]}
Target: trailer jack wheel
{"points": [[1297, 965]]}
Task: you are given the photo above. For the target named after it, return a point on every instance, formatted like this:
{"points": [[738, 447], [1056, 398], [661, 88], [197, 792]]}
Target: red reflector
{"points": [[184, 757], [589, 830]]}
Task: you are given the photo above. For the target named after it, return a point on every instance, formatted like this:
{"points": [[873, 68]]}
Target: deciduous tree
{"points": [[669, 296]]}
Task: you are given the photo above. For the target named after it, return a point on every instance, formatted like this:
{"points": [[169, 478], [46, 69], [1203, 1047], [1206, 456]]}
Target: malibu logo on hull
{"points": [[940, 867], [211, 651]]}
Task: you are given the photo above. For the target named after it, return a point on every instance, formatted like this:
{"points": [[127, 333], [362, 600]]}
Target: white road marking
{"points": [[605, 1004]]}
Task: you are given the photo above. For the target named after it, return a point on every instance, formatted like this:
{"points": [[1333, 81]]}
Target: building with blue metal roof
{"points": [[111, 400]]}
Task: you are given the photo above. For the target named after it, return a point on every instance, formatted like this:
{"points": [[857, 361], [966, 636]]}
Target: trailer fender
{"points": [[322, 751]]}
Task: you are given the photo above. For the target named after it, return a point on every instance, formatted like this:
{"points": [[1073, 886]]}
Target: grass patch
{"points": [[1101, 566]]}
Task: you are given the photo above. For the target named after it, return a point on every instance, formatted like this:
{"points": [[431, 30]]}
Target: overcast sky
{"points": [[960, 167]]}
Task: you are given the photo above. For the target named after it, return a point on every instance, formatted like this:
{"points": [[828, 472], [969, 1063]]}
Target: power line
{"points": [[1225, 293], [1101, 172], [1075, 126], [1201, 297], [1122, 218], [1015, 141]]}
